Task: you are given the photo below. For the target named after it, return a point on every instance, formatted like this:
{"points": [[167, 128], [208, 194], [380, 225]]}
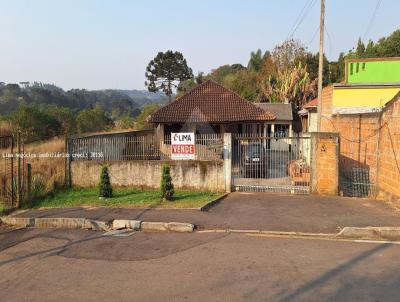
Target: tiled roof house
{"points": [[211, 108]]}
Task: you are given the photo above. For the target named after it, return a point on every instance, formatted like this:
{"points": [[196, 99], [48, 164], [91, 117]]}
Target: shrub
{"points": [[38, 186], [105, 189], [167, 188]]}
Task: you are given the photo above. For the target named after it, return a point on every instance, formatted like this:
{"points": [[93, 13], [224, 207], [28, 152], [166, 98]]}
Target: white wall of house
{"points": [[273, 130], [312, 121]]}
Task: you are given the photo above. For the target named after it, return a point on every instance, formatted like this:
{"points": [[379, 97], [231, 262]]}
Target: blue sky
{"points": [[97, 44]]}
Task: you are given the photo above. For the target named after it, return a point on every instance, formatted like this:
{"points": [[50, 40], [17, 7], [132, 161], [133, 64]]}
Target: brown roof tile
{"points": [[282, 112], [210, 102]]}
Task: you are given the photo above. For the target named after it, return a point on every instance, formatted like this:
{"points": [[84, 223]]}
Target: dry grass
{"points": [[48, 173], [51, 169], [5, 128]]}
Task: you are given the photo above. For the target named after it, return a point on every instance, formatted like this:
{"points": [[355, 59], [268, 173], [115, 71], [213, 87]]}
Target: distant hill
{"points": [[144, 97], [116, 102]]}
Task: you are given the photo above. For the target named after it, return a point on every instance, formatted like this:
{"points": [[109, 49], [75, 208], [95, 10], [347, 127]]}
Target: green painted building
{"points": [[373, 70]]}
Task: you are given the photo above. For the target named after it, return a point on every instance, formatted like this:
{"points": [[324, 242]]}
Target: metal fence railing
{"points": [[271, 164], [146, 146]]}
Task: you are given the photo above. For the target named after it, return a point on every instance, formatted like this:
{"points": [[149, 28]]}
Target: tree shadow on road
{"points": [[49, 252], [326, 277]]}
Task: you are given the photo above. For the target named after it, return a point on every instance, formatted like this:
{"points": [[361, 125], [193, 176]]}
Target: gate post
{"points": [[228, 161], [29, 182], [19, 181], [324, 163]]}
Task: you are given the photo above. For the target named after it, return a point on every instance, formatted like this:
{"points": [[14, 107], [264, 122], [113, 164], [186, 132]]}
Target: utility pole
{"points": [[321, 63]]}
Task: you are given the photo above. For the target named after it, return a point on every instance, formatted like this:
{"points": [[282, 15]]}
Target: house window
{"points": [[281, 131], [351, 68]]}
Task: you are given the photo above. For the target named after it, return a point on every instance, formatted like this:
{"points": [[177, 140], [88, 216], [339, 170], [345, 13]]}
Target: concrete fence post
{"points": [[228, 161], [29, 182], [325, 150]]}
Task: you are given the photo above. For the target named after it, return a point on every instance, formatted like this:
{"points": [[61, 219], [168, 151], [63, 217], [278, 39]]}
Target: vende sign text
{"points": [[183, 146]]}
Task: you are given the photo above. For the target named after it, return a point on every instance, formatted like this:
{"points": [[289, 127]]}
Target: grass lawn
{"points": [[125, 197]]}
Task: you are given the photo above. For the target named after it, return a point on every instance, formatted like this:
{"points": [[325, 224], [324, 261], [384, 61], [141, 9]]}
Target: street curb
{"points": [[367, 233], [89, 224], [371, 233], [272, 233], [66, 223], [213, 203], [386, 233]]}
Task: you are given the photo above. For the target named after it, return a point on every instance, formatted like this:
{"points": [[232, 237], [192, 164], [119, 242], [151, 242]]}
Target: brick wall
{"points": [[368, 142], [389, 153], [324, 165], [327, 100]]}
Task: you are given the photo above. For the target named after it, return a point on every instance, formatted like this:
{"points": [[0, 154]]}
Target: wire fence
{"points": [[146, 146]]}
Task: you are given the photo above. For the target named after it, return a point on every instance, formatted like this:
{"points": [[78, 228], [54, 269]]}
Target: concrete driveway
{"points": [[256, 211]]}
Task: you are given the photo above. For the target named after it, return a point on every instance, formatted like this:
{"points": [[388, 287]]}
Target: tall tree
{"points": [[288, 54], [290, 86], [141, 119], [360, 50], [256, 61], [370, 50], [166, 71], [187, 85], [93, 120]]}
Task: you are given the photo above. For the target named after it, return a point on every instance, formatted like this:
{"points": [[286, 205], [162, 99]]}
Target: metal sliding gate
{"points": [[271, 164]]}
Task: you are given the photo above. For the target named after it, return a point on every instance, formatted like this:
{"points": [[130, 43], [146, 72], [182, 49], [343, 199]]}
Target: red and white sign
{"points": [[183, 146]]}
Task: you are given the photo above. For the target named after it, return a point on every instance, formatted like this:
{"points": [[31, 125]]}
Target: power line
{"points": [[303, 14], [298, 18], [330, 40], [313, 36], [371, 21]]}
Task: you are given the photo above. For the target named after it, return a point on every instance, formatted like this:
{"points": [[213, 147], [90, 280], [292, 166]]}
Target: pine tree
{"points": [[167, 188], [105, 188]]}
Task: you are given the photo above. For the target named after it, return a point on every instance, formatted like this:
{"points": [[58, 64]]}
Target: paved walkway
{"points": [[255, 211]]}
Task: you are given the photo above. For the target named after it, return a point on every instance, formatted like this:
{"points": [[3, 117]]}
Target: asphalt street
{"points": [[79, 265]]}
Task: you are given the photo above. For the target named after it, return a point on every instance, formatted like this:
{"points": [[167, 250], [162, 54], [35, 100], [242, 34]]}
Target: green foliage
{"points": [[243, 83], [384, 47], [141, 123], [92, 120], [65, 118], [122, 107], [189, 84], [167, 188], [105, 188], [290, 85], [311, 61], [288, 54], [224, 70], [165, 72], [42, 95], [38, 186], [33, 123], [256, 61], [126, 122]]}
